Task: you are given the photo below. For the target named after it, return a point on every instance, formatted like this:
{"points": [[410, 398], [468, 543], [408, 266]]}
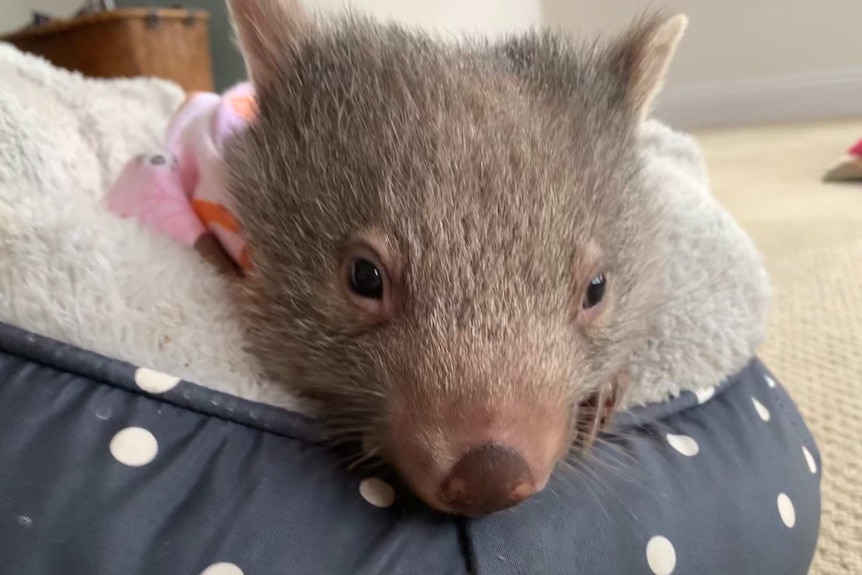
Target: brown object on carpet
{"points": [[810, 232]]}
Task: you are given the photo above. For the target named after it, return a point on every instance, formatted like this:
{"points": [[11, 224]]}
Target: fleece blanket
{"points": [[72, 271], [124, 385]]}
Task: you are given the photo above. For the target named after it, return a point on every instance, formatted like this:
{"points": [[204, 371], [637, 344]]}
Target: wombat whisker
{"points": [[368, 461], [606, 483], [575, 452], [585, 481], [621, 469], [589, 473], [703, 287]]}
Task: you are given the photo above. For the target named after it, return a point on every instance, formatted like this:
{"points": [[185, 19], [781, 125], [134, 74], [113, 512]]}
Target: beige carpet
{"points": [[811, 235]]}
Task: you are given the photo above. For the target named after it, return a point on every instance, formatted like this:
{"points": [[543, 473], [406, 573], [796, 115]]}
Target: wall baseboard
{"points": [[803, 97]]}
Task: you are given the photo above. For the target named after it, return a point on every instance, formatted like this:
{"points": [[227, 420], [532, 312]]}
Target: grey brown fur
{"points": [[491, 169], [498, 175]]}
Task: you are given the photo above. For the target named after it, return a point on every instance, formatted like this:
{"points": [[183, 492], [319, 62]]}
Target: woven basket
{"points": [[172, 44]]}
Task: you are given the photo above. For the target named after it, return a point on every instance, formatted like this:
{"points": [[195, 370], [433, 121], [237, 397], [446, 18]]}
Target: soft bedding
{"points": [[110, 468], [112, 461]]}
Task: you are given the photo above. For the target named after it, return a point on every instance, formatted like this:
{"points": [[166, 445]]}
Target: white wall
{"points": [[741, 60], [746, 60], [16, 13], [491, 17]]}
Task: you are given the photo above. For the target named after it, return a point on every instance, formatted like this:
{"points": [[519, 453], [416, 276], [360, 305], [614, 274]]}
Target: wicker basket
{"points": [[172, 44]]}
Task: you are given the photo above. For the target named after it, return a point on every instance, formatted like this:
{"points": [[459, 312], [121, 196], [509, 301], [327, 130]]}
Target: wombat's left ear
{"points": [[268, 32], [641, 57]]}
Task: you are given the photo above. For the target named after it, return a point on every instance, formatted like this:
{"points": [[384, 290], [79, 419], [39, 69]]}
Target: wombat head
{"points": [[452, 255]]}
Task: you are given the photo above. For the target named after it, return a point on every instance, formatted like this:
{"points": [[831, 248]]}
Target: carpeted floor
{"points": [[811, 235]]}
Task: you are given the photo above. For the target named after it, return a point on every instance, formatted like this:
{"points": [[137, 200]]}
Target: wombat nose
{"points": [[488, 478]]}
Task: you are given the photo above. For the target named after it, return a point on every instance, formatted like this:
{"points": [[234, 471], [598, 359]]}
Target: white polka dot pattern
{"points": [[153, 381], [700, 441], [377, 492], [809, 459], [704, 395], [661, 556], [786, 510], [684, 444], [222, 569], [761, 410], [134, 446]]}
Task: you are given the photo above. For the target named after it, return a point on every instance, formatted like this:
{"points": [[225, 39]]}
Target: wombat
{"points": [[452, 255]]}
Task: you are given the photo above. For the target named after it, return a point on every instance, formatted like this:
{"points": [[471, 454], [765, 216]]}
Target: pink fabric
{"points": [[179, 191], [848, 167]]}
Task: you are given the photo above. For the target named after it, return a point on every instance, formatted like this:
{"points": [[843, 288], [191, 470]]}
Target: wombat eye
{"points": [[595, 291], [365, 279]]}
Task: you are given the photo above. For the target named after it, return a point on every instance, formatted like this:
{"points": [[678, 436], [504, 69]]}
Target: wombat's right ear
{"points": [[640, 59], [268, 32]]}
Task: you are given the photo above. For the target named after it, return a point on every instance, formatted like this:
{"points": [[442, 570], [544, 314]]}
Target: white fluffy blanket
{"points": [[72, 271]]}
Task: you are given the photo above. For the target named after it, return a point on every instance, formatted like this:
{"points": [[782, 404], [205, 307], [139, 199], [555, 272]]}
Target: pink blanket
{"points": [[849, 167]]}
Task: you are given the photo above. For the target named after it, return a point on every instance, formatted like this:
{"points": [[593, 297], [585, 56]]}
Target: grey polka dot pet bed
{"points": [[109, 469]]}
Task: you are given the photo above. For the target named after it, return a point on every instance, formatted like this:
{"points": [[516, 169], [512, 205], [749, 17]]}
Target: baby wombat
{"points": [[452, 254]]}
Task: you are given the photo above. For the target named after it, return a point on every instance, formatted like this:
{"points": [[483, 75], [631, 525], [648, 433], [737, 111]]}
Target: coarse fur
{"points": [[72, 271], [493, 181], [471, 163]]}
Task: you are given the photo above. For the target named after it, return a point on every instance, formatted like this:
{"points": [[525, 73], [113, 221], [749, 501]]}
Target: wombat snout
{"points": [[487, 479], [473, 460]]}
